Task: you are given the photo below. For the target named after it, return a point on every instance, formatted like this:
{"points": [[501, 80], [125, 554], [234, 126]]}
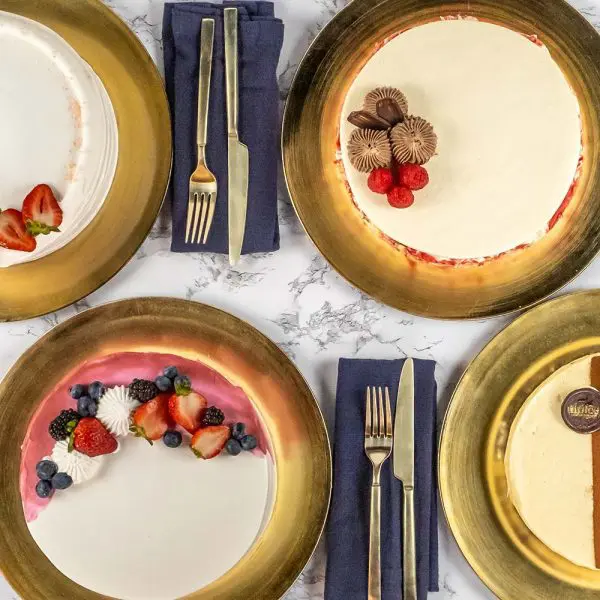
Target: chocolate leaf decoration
{"points": [[364, 120], [389, 110]]}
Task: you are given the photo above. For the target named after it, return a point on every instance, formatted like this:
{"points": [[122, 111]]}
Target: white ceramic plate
{"points": [[58, 127]]}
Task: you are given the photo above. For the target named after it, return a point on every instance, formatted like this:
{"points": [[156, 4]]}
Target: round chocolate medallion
{"points": [[581, 410]]}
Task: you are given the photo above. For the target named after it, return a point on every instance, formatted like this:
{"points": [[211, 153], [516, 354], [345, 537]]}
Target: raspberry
{"points": [[414, 177], [381, 181], [400, 197]]}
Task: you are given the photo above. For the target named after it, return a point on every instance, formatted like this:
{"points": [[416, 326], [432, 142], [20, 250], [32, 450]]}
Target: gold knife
{"points": [[404, 470], [238, 157]]}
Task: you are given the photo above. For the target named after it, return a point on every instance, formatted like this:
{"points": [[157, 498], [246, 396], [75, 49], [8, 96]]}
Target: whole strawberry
{"points": [[400, 197], [381, 181], [90, 437], [414, 177]]}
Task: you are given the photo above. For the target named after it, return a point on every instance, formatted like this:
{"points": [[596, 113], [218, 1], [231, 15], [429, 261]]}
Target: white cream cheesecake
{"points": [[508, 130], [550, 469]]}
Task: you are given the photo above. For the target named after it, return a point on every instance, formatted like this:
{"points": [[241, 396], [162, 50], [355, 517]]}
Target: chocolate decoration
{"points": [[581, 410], [390, 110], [364, 120]]}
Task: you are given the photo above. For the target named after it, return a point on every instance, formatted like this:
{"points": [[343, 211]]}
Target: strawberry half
{"points": [[210, 441], [41, 212], [151, 420], [13, 234], [92, 438], [187, 409]]}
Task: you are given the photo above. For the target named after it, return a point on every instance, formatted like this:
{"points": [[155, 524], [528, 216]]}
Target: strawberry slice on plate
{"points": [[13, 234], [41, 212], [92, 438], [151, 420], [186, 409], [210, 441]]}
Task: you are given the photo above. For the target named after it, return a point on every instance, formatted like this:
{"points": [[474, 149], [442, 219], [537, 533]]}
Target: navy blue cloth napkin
{"points": [[348, 526], [260, 41]]}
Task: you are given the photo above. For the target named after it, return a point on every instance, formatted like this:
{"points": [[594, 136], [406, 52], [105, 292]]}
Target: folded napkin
{"points": [[348, 526], [260, 41]]}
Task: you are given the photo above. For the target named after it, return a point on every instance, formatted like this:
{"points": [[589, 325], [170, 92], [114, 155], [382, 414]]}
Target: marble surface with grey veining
{"points": [[292, 295]]}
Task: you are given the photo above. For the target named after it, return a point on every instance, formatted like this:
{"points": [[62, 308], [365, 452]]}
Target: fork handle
{"points": [[374, 585], [409, 545], [207, 40]]}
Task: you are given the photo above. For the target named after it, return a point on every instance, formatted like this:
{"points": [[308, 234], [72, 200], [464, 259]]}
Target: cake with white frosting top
{"points": [[488, 150]]}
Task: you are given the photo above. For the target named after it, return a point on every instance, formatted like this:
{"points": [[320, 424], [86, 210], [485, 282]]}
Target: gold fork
{"points": [[378, 447], [203, 184]]}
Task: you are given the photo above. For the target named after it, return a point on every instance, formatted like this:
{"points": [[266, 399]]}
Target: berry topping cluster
{"points": [[398, 183], [167, 408], [40, 214], [50, 479], [391, 146]]}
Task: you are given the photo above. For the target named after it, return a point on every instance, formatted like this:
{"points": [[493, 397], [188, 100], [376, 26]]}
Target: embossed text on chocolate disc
{"points": [[581, 410]]}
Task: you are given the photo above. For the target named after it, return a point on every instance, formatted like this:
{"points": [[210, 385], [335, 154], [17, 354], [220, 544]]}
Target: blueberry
{"points": [[233, 447], [77, 391], [163, 383], [171, 372], [183, 385], [92, 408], [61, 481], [96, 390], [46, 469], [248, 442], [87, 407], [238, 431], [172, 439], [43, 488]]}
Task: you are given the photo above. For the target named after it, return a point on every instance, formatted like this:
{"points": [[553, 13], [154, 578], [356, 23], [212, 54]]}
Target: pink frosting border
{"points": [[121, 369]]}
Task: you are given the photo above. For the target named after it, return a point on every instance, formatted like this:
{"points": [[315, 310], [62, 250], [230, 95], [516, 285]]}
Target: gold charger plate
{"points": [[356, 249], [242, 355], [137, 93], [509, 559]]}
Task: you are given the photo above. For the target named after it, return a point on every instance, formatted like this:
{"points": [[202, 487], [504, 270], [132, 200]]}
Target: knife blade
{"points": [[404, 470], [404, 426], [238, 155]]}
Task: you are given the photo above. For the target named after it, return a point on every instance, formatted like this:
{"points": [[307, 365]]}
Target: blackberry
{"points": [[63, 425], [212, 416], [143, 390]]}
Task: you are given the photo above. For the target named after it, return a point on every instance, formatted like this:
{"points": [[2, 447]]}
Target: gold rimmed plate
{"points": [[356, 249], [295, 426], [139, 101], [504, 553]]}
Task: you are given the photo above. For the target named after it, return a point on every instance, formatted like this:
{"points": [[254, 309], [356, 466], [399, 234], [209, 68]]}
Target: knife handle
{"points": [[207, 39], [409, 545], [374, 581], [231, 69]]}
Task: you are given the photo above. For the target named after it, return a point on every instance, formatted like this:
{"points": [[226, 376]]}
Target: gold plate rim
{"points": [[521, 356], [139, 187], [365, 260], [239, 351]]}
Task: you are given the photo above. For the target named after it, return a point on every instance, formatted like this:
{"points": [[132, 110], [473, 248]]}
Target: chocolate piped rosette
{"points": [[391, 146], [166, 409]]}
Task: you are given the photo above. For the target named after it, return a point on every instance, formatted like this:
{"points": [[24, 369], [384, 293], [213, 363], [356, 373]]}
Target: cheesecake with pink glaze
{"points": [[141, 508]]}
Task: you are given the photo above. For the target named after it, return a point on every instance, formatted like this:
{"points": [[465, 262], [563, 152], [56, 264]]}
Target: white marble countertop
{"points": [[293, 296]]}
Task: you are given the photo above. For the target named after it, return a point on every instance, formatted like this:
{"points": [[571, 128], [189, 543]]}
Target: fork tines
{"points": [[201, 209], [378, 423]]}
